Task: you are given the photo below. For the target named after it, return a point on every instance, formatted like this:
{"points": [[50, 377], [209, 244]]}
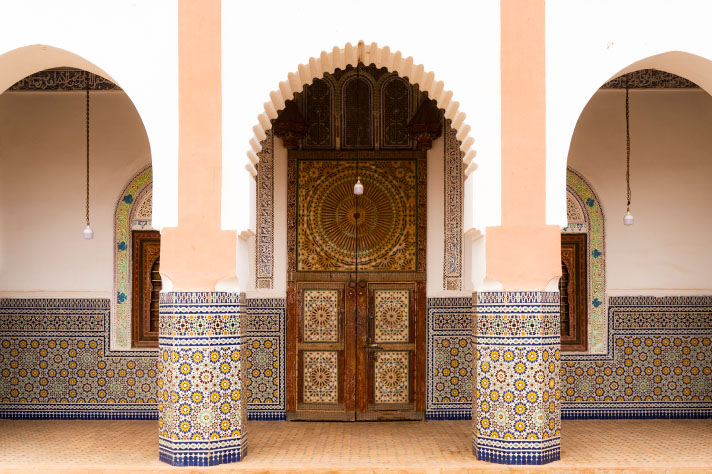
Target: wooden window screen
{"points": [[145, 287], [573, 293]]}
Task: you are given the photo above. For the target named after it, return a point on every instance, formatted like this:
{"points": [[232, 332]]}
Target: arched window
{"points": [[357, 113], [318, 112], [396, 104], [572, 293]]}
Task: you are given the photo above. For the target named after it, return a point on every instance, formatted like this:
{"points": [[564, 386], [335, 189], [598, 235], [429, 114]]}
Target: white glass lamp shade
{"points": [[88, 233], [628, 218], [358, 188]]}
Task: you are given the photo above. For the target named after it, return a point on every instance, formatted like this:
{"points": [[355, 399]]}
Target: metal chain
{"points": [[87, 127], [627, 145], [358, 155]]}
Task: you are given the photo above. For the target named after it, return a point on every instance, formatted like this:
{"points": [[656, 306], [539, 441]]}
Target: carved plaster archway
{"points": [[134, 210], [339, 58], [585, 216]]}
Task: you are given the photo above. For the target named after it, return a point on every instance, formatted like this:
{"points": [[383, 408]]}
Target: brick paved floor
{"points": [[432, 446]]}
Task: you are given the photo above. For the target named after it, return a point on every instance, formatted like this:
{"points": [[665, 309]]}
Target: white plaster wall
{"points": [[42, 188], [667, 251], [589, 42], [135, 44], [457, 39]]}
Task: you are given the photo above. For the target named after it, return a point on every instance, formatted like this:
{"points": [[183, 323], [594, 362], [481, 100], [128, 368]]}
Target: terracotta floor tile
{"points": [[595, 446]]}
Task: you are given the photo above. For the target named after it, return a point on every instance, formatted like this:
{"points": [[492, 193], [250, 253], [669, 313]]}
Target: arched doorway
{"points": [[357, 262], [271, 361]]}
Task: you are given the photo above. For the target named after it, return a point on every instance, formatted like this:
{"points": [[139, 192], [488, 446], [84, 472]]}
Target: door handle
{"points": [[373, 347]]}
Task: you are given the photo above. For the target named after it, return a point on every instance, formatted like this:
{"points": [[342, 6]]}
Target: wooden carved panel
{"points": [[318, 113], [573, 292], [396, 105], [357, 113], [333, 229], [145, 286]]}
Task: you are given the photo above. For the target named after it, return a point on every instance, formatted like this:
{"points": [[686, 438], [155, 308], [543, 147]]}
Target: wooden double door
{"points": [[357, 351]]}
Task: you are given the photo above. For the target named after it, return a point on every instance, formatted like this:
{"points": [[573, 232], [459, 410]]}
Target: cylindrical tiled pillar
{"points": [[517, 407], [202, 410]]}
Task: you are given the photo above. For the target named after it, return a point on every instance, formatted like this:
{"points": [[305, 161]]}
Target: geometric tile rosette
{"points": [[202, 410], [659, 363], [390, 373], [517, 413], [450, 358], [55, 363], [320, 377], [321, 315], [392, 311]]}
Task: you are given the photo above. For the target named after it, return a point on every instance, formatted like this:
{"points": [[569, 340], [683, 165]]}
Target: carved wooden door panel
{"points": [[325, 377], [389, 347]]}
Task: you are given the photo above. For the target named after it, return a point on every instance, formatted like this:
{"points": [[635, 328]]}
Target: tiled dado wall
{"points": [[658, 365], [450, 359], [55, 362]]}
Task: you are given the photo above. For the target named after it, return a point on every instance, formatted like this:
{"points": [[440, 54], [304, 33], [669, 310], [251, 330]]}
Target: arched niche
{"points": [[585, 216], [134, 211]]}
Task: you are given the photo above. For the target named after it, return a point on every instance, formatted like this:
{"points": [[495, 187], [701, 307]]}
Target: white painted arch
{"points": [[588, 43], [134, 44], [690, 66]]}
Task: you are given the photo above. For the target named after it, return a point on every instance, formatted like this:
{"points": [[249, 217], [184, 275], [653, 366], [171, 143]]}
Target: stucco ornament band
{"points": [[339, 58]]}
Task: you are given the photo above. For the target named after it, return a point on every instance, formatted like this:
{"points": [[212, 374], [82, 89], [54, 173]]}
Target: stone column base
{"points": [[202, 409], [517, 407]]}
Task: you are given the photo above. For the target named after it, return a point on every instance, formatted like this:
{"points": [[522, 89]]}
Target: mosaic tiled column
{"points": [[517, 408], [202, 410]]}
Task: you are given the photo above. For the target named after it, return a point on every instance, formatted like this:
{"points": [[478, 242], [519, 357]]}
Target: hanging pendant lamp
{"points": [[88, 232], [628, 218], [358, 187]]}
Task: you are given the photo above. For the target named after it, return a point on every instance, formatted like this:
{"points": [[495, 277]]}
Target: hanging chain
{"points": [[627, 145], [358, 161], [87, 127]]}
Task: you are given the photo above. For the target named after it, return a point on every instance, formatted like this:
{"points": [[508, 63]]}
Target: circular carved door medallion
{"points": [[336, 228]]}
